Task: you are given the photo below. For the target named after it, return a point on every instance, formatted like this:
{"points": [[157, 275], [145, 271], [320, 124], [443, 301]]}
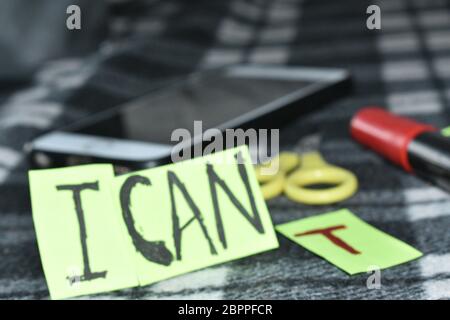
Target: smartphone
{"points": [[137, 134]]}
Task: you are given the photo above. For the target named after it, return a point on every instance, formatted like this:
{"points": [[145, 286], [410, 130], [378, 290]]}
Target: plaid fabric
{"points": [[405, 66]]}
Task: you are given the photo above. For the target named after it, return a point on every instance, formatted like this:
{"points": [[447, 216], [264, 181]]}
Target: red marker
{"points": [[416, 147]]}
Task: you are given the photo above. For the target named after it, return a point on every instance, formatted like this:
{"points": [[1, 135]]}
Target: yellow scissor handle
{"points": [[272, 175], [315, 170]]}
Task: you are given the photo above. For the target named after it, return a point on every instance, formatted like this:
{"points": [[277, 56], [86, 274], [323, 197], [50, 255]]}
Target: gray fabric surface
{"points": [[404, 67], [33, 32]]}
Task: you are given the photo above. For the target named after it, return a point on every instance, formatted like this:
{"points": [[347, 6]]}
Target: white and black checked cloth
{"points": [[405, 67]]}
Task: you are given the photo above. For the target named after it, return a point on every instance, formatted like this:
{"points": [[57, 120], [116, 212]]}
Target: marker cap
{"points": [[386, 133]]}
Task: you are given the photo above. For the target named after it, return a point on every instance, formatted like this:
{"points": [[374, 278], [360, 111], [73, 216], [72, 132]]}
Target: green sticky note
{"points": [[193, 214], [78, 231], [446, 132], [348, 242]]}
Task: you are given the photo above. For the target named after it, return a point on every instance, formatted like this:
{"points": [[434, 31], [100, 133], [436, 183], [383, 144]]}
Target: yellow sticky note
{"points": [[78, 233], [348, 242], [193, 214]]}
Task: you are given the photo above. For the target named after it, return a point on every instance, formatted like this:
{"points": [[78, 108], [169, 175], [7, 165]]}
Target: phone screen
{"points": [[214, 98]]}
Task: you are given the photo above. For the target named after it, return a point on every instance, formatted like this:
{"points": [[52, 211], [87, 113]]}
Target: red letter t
{"points": [[328, 232]]}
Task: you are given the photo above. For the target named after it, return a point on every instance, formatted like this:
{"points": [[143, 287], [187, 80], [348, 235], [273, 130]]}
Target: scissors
{"points": [[297, 171]]}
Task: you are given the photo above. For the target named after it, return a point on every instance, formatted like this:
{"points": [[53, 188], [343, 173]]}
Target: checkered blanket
{"points": [[405, 66]]}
